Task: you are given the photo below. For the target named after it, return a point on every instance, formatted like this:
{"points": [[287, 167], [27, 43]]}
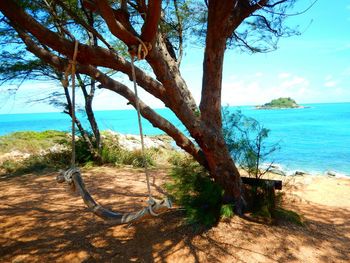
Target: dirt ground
{"points": [[41, 221]]}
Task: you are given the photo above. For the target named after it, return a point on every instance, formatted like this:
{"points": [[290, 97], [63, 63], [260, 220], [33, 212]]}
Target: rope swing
{"points": [[73, 176], [141, 54]]}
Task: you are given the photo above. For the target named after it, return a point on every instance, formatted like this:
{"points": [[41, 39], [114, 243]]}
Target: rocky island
{"points": [[280, 103]]}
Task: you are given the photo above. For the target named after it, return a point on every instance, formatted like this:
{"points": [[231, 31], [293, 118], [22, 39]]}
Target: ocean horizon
{"points": [[315, 139]]}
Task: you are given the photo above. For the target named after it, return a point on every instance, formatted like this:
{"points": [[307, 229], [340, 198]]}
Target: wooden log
{"points": [[277, 184]]}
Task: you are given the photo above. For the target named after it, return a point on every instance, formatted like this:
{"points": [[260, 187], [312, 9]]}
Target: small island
{"points": [[280, 103]]}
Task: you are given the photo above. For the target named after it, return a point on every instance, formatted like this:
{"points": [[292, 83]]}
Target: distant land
{"points": [[280, 103]]}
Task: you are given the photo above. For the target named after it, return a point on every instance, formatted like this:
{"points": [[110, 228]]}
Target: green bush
{"points": [[193, 189], [37, 142], [136, 158], [176, 158], [247, 141], [82, 152], [113, 154], [31, 142]]}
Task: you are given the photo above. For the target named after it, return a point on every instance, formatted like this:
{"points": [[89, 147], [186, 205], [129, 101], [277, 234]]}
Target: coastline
{"points": [[280, 169], [132, 142]]}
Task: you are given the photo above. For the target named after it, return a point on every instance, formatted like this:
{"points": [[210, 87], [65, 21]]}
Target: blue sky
{"points": [[311, 68]]}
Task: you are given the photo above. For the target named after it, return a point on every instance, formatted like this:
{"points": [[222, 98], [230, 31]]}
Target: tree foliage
{"points": [[246, 139]]}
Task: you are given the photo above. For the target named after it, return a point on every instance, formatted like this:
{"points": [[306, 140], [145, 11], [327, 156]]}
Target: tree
{"points": [[156, 33]]}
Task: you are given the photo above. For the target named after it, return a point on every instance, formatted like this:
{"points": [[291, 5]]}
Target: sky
{"points": [[313, 67]]}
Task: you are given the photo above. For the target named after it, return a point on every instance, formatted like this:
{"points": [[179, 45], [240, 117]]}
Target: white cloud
{"points": [[328, 77], [346, 72], [109, 100], [248, 91], [330, 84], [294, 81], [283, 75]]}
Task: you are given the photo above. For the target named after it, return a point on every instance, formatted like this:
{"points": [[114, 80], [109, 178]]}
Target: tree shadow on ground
{"points": [[41, 221]]}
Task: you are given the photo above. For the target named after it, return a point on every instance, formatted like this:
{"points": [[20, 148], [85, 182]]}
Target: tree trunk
{"points": [[88, 97], [211, 141], [222, 169], [81, 129]]}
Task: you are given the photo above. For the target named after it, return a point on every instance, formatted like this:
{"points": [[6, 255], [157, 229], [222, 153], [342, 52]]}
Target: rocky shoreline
{"points": [[262, 107], [278, 170]]}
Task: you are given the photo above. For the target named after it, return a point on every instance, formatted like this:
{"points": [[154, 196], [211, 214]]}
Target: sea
{"points": [[314, 139]]}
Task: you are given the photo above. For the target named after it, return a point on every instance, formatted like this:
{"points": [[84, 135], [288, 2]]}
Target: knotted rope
{"points": [[73, 177], [71, 69], [142, 52]]}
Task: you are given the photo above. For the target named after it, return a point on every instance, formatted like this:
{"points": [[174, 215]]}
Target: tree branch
{"points": [[276, 3], [180, 99], [87, 55], [83, 23], [150, 27], [113, 85], [116, 28]]}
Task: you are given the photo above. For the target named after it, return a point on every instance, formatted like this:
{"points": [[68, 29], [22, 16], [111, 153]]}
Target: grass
{"points": [[31, 142], [42, 156], [290, 216]]}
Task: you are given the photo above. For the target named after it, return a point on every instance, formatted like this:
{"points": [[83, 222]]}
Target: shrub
{"points": [[31, 142], [113, 154], [246, 140], [136, 158], [193, 189], [82, 152]]}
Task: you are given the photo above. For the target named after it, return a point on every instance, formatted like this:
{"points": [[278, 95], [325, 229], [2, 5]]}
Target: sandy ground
{"points": [[41, 221]]}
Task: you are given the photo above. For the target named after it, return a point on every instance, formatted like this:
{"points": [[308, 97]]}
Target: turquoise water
{"points": [[314, 139]]}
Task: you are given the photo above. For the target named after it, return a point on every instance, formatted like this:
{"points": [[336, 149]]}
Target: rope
{"points": [[72, 66], [142, 52], [72, 175]]}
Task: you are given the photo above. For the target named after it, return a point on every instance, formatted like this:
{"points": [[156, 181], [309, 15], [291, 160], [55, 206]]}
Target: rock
{"points": [[331, 173], [133, 142], [300, 173]]}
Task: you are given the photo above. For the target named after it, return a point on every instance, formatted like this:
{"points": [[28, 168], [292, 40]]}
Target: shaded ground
{"points": [[41, 221]]}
